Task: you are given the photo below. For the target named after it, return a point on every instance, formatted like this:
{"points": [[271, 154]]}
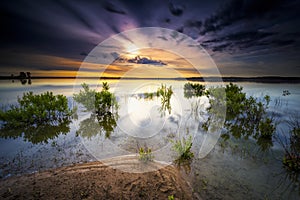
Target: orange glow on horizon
{"points": [[176, 66]]}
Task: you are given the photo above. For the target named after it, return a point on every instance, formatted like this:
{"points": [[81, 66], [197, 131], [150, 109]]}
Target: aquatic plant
{"points": [[37, 133], [105, 86], [98, 124], [145, 154], [291, 162], [105, 101], [245, 116], [291, 145], [216, 110], [286, 92], [104, 105], [193, 89], [86, 97], [183, 148], [37, 117], [165, 95], [149, 96], [196, 109], [36, 109], [98, 102]]}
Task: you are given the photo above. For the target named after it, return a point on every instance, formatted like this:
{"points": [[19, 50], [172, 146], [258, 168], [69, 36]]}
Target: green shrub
{"points": [[291, 145], [245, 116], [98, 102], [266, 128], [37, 109], [165, 95], [145, 154], [193, 89], [86, 97], [183, 148], [104, 109], [149, 96], [36, 118], [292, 162]]}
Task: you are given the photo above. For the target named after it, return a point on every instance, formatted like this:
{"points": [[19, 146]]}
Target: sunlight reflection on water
{"points": [[236, 175]]}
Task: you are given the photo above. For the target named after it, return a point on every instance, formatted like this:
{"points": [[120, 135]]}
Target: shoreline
{"points": [[95, 180]]}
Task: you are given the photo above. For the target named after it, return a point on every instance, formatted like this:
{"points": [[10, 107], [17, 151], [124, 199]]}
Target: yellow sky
{"points": [[176, 66], [55, 66]]}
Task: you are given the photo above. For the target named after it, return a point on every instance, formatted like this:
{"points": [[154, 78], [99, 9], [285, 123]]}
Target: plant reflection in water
{"points": [[165, 93], [247, 118], [37, 117], [104, 107]]}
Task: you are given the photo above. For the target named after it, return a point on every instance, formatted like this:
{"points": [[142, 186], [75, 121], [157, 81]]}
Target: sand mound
{"points": [[96, 181]]}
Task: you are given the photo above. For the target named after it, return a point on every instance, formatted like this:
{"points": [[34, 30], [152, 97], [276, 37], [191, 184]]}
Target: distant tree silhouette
{"points": [[22, 75]]}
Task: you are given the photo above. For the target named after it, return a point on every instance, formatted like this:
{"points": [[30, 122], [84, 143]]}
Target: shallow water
{"points": [[236, 169]]}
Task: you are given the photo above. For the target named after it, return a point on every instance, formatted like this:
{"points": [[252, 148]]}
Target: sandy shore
{"points": [[96, 181]]}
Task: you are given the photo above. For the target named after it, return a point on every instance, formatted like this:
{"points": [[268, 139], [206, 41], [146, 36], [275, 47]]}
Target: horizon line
{"points": [[263, 79]]}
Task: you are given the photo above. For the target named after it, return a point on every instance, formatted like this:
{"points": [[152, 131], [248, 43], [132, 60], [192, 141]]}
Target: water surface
{"points": [[236, 169]]}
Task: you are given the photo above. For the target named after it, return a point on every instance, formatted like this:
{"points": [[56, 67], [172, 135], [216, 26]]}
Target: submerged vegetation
{"points": [[104, 109], [245, 116], [165, 96], [165, 93], [145, 154], [35, 109], [193, 89], [183, 148], [98, 102], [291, 145], [248, 117], [37, 133], [98, 124], [38, 117]]}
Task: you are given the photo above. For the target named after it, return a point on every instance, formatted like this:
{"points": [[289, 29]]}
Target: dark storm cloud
{"points": [[238, 41], [237, 10], [232, 31], [253, 32], [246, 40], [111, 7], [180, 30], [138, 60], [75, 13], [176, 9], [83, 54], [193, 23], [50, 27], [63, 68]]}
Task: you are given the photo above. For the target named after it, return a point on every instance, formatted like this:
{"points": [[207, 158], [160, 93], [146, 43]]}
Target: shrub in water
{"points": [[193, 89], [37, 109], [245, 116], [145, 154], [183, 148], [98, 102], [36, 117]]}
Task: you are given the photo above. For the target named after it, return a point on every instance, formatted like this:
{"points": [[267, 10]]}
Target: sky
{"points": [[243, 37]]}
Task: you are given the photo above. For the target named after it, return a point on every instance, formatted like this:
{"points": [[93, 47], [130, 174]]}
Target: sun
{"points": [[132, 50]]}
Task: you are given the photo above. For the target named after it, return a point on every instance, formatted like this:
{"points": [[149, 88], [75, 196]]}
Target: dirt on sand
{"points": [[96, 181]]}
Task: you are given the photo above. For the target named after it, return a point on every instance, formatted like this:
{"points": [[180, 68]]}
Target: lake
{"points": [[237, 168]]}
